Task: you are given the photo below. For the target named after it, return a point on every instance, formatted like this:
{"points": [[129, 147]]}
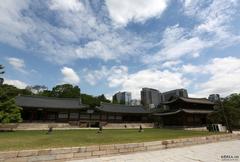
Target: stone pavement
{"points": [[212, 152]]}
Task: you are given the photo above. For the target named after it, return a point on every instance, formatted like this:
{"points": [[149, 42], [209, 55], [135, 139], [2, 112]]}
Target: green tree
{"points": [[10, 112], [227, 112], [102, 98], [90, 100], [94, 101], [70, 91], [46, 93], [8, 92], [66, 91]]}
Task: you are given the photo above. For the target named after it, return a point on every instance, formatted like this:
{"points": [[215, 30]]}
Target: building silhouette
{"points": [[122, 98], [169, 95], [214, 97], [150, 98]]}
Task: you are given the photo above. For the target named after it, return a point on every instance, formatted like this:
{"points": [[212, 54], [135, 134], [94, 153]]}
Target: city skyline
{"points": [[104, 48]]}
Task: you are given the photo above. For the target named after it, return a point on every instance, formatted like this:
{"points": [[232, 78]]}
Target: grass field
{"points": [[20, 140]]}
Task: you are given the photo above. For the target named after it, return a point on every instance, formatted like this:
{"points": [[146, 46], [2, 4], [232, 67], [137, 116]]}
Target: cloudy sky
{"points": [[112, 45]]}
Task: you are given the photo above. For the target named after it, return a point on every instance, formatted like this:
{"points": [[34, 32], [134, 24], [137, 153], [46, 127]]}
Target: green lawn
{"points": [[20, 140]]}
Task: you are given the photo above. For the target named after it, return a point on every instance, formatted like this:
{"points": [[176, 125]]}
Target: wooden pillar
{"points": [[194, 120], [44, 115], [68, 115], [56, 116], [31, 116], [183, 118]]}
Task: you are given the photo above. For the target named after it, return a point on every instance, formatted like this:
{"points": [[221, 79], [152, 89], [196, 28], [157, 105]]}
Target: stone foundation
{"points": [[71, 153], [127, 125]]}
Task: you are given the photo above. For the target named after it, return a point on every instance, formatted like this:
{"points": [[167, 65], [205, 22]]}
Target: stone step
{"points": [[42, 126], [129, 125]]}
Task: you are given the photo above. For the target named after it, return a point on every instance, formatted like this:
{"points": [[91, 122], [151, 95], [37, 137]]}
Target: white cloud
{"points": [[224, 76], [119, 77], [123, 12], [108, 96], [70, 76], [219, 75], [16, 83], [73, 5], [16, 62], [189, 68], [77, 32], [80, 32], [12, 23], [153, 78], [176, 43], [93, 77], [215, 19], [213, 29], [171, 64], [114, 75]]}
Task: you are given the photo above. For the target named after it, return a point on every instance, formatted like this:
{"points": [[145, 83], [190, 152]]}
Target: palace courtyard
{"points": [[25, 140]]}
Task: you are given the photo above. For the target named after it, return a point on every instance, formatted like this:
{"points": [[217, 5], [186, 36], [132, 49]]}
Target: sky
{"points": [[112, 45]]}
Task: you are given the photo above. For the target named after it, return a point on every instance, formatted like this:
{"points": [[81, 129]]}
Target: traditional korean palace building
{"points": [[177, 112], [47, 109], [185, 111]]}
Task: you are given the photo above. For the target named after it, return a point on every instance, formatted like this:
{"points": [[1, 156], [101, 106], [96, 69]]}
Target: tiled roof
{"points": [[189, 111], [49, 102], [118, 108], [191, 100]]}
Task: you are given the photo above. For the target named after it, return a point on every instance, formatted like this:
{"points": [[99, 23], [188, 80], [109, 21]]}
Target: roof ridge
{"points": [[194, 98]]}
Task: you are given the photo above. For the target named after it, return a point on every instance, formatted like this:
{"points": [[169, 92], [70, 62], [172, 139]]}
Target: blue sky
{"points": [[109, 46]]}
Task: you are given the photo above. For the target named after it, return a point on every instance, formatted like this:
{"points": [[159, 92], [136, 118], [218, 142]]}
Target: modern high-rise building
{"points": [[122, 98], [174, 93], [135, 102], [151, 97], [214, 97]]}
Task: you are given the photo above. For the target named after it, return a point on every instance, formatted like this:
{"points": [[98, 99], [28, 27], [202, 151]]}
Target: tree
{"points": [[102, 98], [46, 93], [8, 92], [10, 112], [70, 91], [90, 100], [66, 91], [227, 112], [234, 100], [93, 101]]}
